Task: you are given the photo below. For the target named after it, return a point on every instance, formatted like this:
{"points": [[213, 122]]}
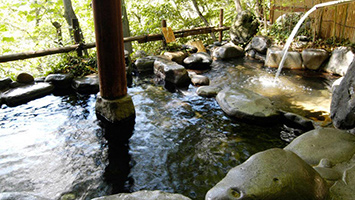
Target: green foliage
{"points": [[27, 26], [282, 29], [79, 67]]}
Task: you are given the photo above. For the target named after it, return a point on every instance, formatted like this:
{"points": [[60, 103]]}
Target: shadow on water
{"points": [[117, 171]]}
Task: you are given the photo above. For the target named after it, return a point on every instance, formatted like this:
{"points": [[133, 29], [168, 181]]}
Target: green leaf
{"points": [[3, 28], [8, 39]]}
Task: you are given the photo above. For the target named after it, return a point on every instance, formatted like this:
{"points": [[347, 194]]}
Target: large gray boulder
{"points": [[274, 174], [340, 60], [146, 195], [247, 105], [200, 61], [314, 58], [324, 143], [342, 108], [26, 93], [244, 27], [227, 51], [274, 56], [332, 153], [171, 72]]}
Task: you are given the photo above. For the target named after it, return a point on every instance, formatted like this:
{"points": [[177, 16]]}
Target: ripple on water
{"points": [[182, 143]]}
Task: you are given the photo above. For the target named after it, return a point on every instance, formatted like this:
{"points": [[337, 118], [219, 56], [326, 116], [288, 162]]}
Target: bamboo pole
{"points": [[140, 39]]}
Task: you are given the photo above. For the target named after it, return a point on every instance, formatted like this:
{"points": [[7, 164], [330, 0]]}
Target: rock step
{"points": [[17, 96]]}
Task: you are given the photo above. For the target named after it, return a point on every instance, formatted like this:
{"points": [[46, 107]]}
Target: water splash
{"points": [[298, 25]]}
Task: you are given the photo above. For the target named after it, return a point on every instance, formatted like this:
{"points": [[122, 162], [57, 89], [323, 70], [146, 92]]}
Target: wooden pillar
{"points": [[221, 25], [110, 48]]}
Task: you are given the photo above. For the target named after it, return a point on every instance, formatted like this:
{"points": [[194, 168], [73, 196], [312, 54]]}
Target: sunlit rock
{"points": [[171, 72], [343, 104], [208, 91], [340, 60], [200, 60], [86, 85], [314, 58], [177, 56], [25, 78], [274, 174], [27, 93], [344, 189], [146, 195], [336, 84], [60, 81], [274, 56], [199, 80], [145, 65], [244, 27], [227, 51], [332, 153], [324, 143], [246, 105], [5, 83]]}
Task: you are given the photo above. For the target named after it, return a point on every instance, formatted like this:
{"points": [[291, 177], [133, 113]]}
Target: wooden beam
{"points": [[140, 39]]}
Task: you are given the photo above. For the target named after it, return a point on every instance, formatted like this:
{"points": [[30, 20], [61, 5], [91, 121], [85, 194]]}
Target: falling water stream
{"points": [[181, 142], [297, 27]]}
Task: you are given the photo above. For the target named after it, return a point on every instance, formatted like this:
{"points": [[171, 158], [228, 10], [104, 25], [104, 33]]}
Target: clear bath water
{"points": [[181, 143]]}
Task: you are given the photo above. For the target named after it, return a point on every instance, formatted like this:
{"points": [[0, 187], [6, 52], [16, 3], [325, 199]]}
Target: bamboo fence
{"points": [[329, 22]]}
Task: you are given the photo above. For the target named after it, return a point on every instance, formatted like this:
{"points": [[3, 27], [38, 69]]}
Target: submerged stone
{"points": [[26, 93], [274, 56], [247, 105], [340, 60], [146, 195], [274, 174]]}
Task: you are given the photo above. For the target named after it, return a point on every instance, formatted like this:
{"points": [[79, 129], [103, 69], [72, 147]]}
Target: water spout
{"points": [[298, 25]]}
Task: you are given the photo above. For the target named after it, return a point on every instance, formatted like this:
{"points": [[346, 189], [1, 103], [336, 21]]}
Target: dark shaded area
{"points": [[117, 171]]}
